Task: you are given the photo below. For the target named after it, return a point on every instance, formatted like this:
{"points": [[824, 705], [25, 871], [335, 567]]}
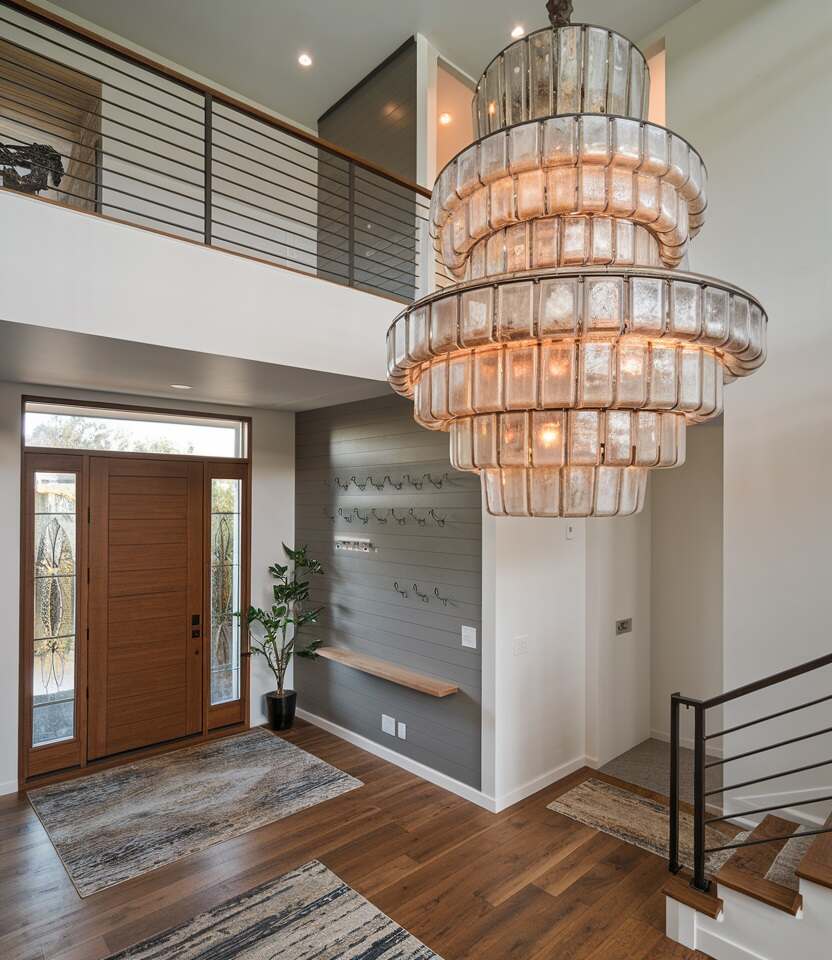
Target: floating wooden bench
{"points": [[389, 671]]}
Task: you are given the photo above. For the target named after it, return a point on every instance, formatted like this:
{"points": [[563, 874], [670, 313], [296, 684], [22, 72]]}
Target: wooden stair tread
{"points": [[757, 859], [389, 671], [746, 871], [817, 864], [678, 888], [766, 891]]}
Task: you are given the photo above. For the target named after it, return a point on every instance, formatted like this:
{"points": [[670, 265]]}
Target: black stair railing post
{"points": [[673, 861], [208, 150], [699, 880], [351, 228]]}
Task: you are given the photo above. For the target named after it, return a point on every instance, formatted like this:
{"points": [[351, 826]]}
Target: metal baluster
{"points": [[351, 227], [208, 153], [673, 857], [699, 880]]}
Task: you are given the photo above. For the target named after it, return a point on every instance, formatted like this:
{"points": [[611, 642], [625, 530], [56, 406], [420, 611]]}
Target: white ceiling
{"points": [[252, 46], [61, 358]]}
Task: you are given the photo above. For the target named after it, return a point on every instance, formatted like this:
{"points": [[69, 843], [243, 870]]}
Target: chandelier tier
{"points": [[571, 355]]}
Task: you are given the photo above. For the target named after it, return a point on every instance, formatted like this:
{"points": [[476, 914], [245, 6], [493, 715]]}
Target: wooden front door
{"points": [[145, 602]]}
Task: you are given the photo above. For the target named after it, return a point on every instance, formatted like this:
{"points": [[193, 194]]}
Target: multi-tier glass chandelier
{"points": [[572, 354]]}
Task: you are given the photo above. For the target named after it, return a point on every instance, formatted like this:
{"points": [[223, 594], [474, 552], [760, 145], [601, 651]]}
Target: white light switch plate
{"points": [[388, 725], [401, 730], [521, 645], [469, 637]]}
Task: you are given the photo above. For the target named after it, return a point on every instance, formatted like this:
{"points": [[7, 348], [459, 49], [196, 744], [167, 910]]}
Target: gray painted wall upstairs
{"points": [[377, 439]]}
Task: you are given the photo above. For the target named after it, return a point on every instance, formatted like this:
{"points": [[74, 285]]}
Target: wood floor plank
{"points": [[525, 884]]}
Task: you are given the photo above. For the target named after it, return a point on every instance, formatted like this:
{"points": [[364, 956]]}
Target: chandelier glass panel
{"points": [[573, 351]]}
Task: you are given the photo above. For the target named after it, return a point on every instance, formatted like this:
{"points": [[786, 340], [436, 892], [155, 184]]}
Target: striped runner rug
{"points": [[308, 914]]}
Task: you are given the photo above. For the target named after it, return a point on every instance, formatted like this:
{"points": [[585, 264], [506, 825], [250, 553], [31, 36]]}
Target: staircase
{"points": [[772, 898]]}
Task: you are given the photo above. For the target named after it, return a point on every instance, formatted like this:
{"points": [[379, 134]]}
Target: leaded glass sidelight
{"points": [[55, 617], [226, 517]]}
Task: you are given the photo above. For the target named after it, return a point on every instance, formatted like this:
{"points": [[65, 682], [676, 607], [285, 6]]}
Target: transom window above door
{"points": [[67, 427]]}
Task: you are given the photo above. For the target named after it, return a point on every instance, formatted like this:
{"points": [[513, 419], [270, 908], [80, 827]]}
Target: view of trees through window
{"points": [[72, 431]]}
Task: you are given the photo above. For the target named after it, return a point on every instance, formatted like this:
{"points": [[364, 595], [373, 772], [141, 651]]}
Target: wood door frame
{"points": [[73, 753]]}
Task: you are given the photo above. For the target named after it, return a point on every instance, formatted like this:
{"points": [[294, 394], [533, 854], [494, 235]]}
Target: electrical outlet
{"points": [[388, 725], [401, 730], [521, 645], [623, 626], [570, 531], [469, 637]]}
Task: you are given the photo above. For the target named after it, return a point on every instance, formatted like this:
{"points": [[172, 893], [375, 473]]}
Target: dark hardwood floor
{"points": [[526, 884]]}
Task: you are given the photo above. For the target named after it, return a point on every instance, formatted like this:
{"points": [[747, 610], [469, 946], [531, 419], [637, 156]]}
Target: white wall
{"points": [[750, 83], [116, 281], [686, 581], [534, 691], [618, 668], [273, 455]]}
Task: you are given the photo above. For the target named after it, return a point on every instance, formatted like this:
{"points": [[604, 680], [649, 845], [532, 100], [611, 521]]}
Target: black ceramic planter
{"points": [[282, 709]]}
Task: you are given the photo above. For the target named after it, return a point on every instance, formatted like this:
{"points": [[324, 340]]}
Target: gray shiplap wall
{"points": [[363, 611]]}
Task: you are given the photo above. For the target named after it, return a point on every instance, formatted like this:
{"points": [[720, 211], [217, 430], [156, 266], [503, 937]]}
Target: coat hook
{"points": [[343, 486], [396, 486], [364, 519], [420, 520], [378, 517], [378, 484], [400, 520], [445, 600], [403, 593], [436, 483], [418, 484], [361, 486], [345, 516], [422, 596], [435, 516]]}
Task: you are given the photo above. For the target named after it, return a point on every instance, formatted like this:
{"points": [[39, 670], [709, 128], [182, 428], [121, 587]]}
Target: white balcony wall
{"points": [[114, 280]]}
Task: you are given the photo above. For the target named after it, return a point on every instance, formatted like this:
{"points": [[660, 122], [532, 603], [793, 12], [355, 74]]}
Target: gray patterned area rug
{"points": [[309, 914], [121, 823], [637, 820]]}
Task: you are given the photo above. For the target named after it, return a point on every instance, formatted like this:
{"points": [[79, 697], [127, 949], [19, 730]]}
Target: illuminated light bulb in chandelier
{"points": [[572, 354]]}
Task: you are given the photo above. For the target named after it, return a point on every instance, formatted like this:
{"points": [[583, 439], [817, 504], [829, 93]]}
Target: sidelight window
{"points": [[226, 519], [55, 613]]}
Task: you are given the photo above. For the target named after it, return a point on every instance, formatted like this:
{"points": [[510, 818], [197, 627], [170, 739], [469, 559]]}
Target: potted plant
{"points": [[280, 624]]}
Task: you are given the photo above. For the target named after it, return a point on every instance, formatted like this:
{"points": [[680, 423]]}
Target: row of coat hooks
{"points": [[424, 597], [417, 483], [385, 516]]}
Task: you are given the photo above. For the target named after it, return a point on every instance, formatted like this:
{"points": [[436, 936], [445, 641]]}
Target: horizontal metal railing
{"points": [[136, 141], [701, 794]]}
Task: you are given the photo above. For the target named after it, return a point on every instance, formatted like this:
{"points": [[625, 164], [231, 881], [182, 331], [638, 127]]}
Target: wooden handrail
{"points": [[68, 26]]}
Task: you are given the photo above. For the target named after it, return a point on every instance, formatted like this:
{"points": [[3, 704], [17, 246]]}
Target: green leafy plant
{"points": [[280, 624]]}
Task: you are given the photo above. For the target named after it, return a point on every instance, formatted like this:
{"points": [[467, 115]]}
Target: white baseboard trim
{"points": [[412, 766], [492, 804], [686, 742], [540, 783], [8, 786]]}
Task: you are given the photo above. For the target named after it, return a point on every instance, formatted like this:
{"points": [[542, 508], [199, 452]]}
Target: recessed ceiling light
{"points": [[180, 386], [518, 31], [305, 60], [445, 119]]}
